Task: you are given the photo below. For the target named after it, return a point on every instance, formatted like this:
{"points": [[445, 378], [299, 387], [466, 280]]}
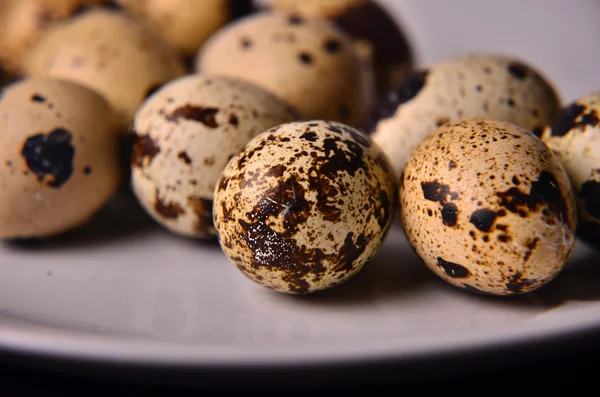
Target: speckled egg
{"points": [[23, 22], [185, 134], [483, 85], [304, 206], [488, 207], [109, 52], [59, 157], [186, 24], [575, 139], [377, 35], [309, 63]]}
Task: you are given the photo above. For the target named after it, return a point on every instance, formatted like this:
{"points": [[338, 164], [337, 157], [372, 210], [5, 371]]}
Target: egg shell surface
{"points": [[304, 206], [184, 136], [309, 63], [59, 157], [109, 52], [489, 86], [488, 207], [575, 139]]}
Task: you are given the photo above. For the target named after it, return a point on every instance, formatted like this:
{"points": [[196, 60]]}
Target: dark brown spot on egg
{"points": [[575, 116], [531, 246], [38, 98], [245, 43], [305, 58], [517, 284], [198, 114], [452, 269], [209, 160], [202, 209], [483, 219], [276, 170], [544, 192], [333, 46], [341, 156], [168, 210], [50, 156], [87, 170], [436, 191], [516, 180], [452, 165], [383, 209], [144, 150], [233, 120], [449, 214], [350, 252], [295, 20], [518, 70], [183, 156], [327, 195], [309, 135]]}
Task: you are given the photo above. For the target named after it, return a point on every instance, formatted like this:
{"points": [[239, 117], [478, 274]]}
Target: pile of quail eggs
{"points": [[295, 133]]}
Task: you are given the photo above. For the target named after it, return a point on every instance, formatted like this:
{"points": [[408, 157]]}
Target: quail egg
{"points": [[185, 134], [186, 24], [483, 85], [488, 207], [22, 23], [575, 139], [378, 36], [309, 63], [107, 51], [59, 157], [305, 205]]}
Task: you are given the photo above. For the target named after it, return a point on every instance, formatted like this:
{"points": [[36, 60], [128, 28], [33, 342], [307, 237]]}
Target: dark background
{"points": [[570, 361]]}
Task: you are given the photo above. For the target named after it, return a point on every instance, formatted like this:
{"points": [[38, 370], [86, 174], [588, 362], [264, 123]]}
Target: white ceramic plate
{"points": [[124, 290]]}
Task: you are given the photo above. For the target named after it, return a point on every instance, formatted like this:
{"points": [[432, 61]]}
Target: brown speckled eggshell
{"points": [[378, 35], [304, 206], [23, 22], [108, 52], [309, 63], [575, 139], [480, 85], [59, 157], [186, 24], [185, 134], [488, 207]]}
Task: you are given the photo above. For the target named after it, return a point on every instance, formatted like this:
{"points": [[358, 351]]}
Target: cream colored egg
{"points": [[575, 139], [488, 207], [484, 85], [23, 22], [59, 157], [379, 37], [309, 63], [304, 206], [108, 52], [186, 24], [185, 134]]}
